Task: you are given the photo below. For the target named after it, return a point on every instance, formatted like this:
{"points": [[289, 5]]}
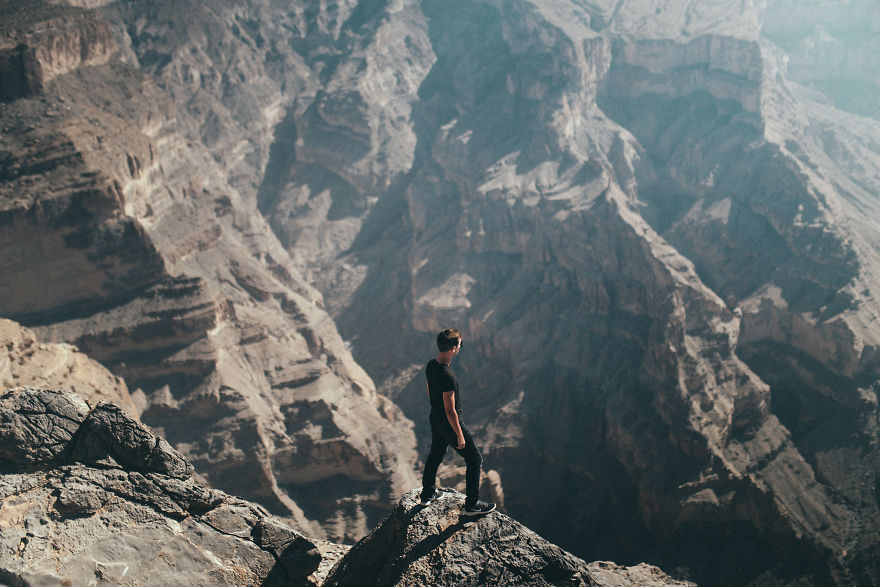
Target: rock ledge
{"points": [[93, 496], [436, 545]]}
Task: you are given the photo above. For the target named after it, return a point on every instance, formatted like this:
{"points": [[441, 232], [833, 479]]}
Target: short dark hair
{"points": [[448, 339]]}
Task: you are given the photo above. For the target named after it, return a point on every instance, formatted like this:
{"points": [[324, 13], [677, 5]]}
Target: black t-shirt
{"points": [[440, 380]]}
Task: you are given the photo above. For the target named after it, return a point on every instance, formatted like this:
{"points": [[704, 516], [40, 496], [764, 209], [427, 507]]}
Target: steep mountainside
{"points": [[123, 236], [654, 220], [662, 251]]}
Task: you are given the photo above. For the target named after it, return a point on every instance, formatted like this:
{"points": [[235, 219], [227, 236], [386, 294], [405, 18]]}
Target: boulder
{"points": [[37, 426], [436, 545], [132, 515], [41, 427]]}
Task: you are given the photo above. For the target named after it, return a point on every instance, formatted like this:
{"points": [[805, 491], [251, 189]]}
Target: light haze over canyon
{"points": [[656, 223]]}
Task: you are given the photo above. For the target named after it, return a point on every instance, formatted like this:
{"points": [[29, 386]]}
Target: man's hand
{"points": [[460, 442]]}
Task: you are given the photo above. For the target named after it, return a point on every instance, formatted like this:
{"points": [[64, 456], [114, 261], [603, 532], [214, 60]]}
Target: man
{"points": [[447, 429]]}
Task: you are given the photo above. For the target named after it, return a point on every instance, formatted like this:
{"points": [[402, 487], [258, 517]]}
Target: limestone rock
{"points": [[435, 545], [143, 521]]}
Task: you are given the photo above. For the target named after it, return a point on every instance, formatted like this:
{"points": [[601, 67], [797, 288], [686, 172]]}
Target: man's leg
{"points": [[474, 461], [435, 457]]}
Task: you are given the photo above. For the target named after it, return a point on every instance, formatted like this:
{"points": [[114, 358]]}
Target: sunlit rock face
{"points": [[123, 233], [661, 250], [655, 229]]}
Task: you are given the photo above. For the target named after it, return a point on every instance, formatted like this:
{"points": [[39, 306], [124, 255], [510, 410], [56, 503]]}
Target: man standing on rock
{"points": [[447, 429]]}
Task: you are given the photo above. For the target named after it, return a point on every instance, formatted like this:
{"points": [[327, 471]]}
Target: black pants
{"points": [[442, 437]]}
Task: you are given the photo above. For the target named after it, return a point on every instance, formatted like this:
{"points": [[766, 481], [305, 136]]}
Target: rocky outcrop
{"points": [[39, 41], [164, 272], [45, 427], [92, 495], [436, 545]]}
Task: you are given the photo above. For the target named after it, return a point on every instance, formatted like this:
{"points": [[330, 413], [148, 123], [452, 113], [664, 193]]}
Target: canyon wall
{"points": [[653, 221], [124, 236], [659, 249]]}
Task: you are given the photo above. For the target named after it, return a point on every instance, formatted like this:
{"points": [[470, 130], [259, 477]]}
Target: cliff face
{"points": [[42, 41], [657, 246], [161, 270], [775, 220], [660, 247]]}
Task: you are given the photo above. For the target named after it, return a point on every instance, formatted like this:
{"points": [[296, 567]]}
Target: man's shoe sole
{"points": [[437, 495], [473, 514]]}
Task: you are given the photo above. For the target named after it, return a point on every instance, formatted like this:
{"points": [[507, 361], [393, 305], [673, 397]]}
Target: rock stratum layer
{"points": [[124, 236], [654, 222]]}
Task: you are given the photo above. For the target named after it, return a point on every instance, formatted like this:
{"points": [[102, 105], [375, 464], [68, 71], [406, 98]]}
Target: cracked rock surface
{"points": [[93, 496], [436, 545]]}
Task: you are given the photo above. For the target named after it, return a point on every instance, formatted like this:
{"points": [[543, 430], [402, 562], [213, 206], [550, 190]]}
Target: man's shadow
{"points": [[429, 544]]}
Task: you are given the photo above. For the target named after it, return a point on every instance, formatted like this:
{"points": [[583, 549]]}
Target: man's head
{"points": [[448, 340]]}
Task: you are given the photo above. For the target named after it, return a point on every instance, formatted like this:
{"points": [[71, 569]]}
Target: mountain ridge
{"points": [[653, 221]]}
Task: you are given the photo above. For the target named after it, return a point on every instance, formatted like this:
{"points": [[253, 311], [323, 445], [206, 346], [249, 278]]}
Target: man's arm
{"points": [[452, 416]]}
